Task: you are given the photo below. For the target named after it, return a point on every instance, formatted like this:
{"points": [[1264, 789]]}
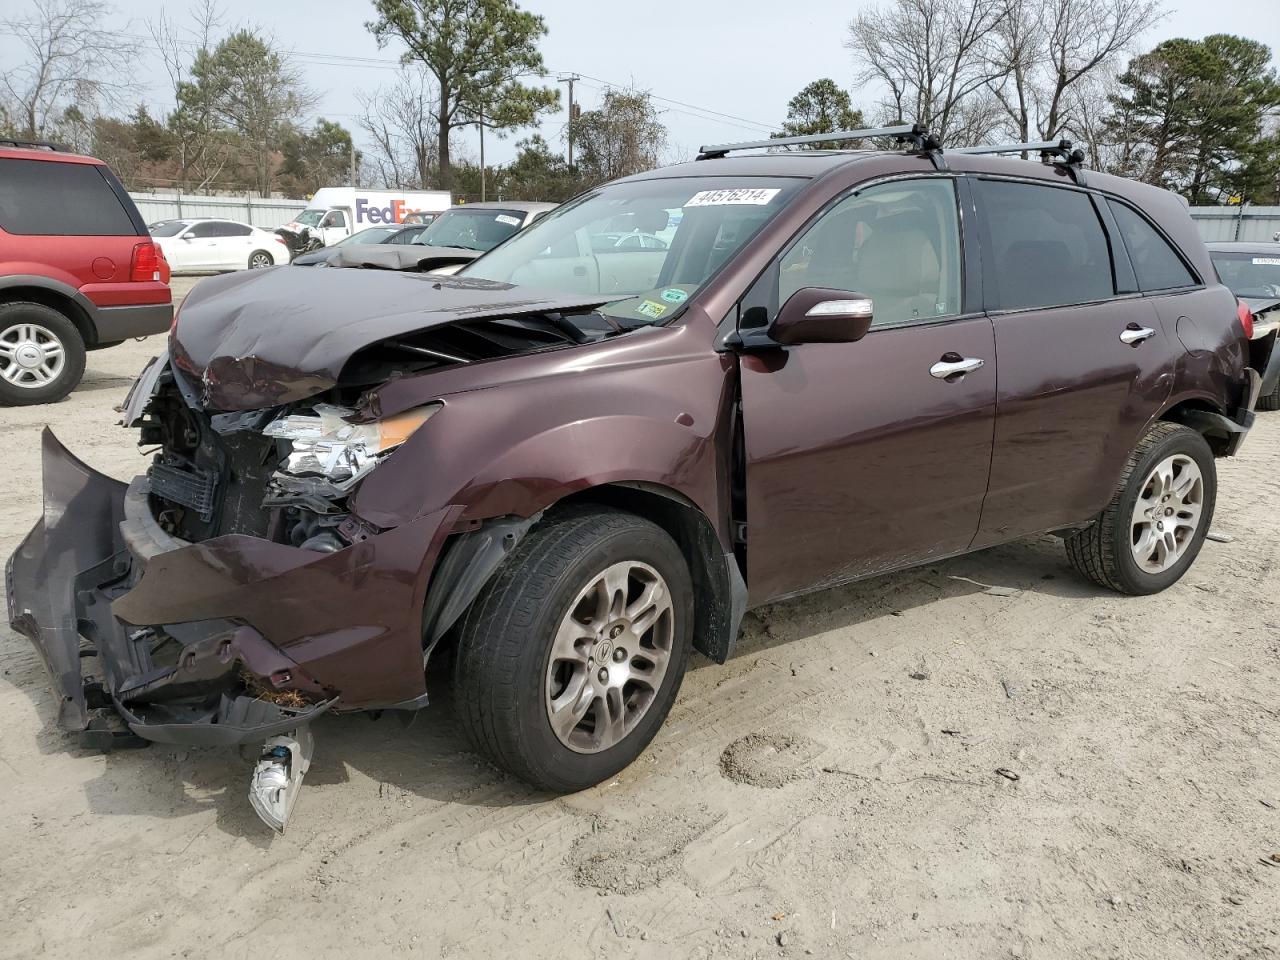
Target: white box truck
{"points": [[334, 213]]}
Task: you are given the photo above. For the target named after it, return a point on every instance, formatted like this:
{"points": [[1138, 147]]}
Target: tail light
{"points": [[146, 262], [1246, 318]]}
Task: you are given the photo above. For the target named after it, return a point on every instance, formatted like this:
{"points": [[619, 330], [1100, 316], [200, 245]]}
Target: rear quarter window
{"points": [[1155, 262], [41, 198]]}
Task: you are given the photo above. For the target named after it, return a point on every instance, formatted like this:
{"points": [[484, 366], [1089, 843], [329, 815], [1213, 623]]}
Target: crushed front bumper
{"points": [[228, 641]]}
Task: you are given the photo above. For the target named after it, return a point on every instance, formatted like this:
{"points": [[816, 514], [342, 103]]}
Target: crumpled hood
{"points": [[261, 338]]}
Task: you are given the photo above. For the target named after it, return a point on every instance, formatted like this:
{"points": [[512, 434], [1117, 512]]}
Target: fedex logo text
{"points": [[368, 213]]}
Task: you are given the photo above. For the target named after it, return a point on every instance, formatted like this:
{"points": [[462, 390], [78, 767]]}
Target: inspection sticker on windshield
{"points": [[674, 295], [509, 221], [1266, 261], [724, 198], [651, 309]]}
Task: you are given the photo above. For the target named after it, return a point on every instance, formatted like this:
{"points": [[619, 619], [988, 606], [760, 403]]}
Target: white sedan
{"points": [[195, 246]]}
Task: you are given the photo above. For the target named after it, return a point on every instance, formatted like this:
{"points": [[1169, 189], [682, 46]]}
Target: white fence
{"points": [[1237, 223], [261, 213]]}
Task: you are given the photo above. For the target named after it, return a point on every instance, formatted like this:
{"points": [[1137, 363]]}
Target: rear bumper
{"points": [[223, 642], [141, 320]]}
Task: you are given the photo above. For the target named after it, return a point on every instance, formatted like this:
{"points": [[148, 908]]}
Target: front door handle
{"points": [[1134, 334], [954, 365]]}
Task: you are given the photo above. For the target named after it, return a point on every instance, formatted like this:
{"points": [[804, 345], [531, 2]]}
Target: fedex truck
{"points": [[337, 212]]}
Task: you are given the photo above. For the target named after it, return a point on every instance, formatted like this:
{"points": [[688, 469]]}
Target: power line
{"points": [[315, 58]]}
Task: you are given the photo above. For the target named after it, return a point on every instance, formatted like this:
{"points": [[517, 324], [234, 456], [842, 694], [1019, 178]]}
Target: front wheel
{"points": [[1150, 533], [571, 657]]}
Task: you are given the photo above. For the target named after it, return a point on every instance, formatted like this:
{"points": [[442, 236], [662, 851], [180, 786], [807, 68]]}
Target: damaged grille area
{"points": [[185, 485]]}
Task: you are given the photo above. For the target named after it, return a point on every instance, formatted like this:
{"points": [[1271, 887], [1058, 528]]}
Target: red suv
{"points": [[78, 270]]}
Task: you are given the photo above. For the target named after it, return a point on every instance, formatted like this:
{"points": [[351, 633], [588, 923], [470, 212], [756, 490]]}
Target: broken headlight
{"points": [[324, 444]]}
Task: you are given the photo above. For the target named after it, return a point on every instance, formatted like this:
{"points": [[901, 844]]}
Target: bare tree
{"points": [[70, 60], [401, 122], [1049, 49], [200, 150], [935, 59]]}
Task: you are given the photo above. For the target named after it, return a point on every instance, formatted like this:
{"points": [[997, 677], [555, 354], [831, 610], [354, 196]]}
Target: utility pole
{"points": [[482, 176], [570, 79]]}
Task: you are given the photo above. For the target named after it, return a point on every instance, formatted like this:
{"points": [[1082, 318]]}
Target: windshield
{"points": [[370, 235], [310, 218], [474, 229], [169, 228], [1250, 274], [652, 243]]}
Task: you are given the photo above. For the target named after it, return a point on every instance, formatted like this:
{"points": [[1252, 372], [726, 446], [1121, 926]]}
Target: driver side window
{"points": [[896, 243]]}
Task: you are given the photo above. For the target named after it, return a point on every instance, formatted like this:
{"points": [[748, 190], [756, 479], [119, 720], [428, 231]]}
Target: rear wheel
{"points": [[41, 354], [1272, 400], [570, 659], [260, 260], [1153, 528]]}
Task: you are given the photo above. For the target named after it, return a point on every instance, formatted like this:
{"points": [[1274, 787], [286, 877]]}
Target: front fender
{"points": [[519, 446]]}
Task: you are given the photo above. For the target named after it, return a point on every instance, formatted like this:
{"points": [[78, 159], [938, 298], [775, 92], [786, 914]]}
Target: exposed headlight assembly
{"points": [[324, 444]]}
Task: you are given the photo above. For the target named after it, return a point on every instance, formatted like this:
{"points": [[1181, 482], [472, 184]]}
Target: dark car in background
{"points": [[395, 234], [78, 270], [455, 237], [1251, 270], [561, 471]]}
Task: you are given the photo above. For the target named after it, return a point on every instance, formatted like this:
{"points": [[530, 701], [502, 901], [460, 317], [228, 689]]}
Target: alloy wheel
{"points": [[259, 261], [1167, 513], [31, 355], [609, 657]]}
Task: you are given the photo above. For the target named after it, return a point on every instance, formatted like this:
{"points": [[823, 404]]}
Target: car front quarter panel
{"points": [[648, 410]]}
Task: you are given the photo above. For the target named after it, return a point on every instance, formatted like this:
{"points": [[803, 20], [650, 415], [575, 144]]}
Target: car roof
{"points": [[52, 156], [1269, 247]]}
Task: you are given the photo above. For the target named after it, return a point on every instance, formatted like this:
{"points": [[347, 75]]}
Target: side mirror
{"points": [[821, 315], [188, 236]]}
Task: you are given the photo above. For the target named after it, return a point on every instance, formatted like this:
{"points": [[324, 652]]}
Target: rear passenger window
{"points": [[228, 229], [1049, 248], [48, 198], [1157, 264]]}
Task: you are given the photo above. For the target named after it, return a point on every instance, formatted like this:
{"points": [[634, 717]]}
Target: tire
{"points": [[1107, 551], [1272, 400], [507, 681], [30, 333], [260, 260]]}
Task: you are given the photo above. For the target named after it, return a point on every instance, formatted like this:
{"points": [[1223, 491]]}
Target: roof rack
{"points": [[33, 145], [913, 133], [1062, 152]]}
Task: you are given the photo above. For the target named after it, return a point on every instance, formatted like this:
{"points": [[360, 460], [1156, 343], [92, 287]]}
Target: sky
{"points": [[724, 69]]}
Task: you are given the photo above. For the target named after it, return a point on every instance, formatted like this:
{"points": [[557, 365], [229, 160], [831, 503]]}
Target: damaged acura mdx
{"points": [[559, 472]]}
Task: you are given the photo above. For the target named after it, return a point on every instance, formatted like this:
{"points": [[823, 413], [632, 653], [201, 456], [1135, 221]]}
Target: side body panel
{"points": [[1072, 403], [859, 461]]}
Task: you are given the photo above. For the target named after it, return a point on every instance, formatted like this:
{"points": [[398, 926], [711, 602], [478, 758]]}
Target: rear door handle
{"points": [[1134, 334], [947, 367]]}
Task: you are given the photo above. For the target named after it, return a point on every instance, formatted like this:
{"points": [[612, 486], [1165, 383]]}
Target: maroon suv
{"points": [[574, 463], [78, 270]]}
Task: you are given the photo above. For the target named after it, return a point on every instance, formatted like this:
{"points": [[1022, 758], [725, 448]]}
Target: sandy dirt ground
{"points": [[831, 792]]}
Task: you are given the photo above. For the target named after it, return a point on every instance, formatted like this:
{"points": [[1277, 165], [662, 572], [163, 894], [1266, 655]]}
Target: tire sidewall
{"points": [[557, 763], [1137, 580], [73, 352]]}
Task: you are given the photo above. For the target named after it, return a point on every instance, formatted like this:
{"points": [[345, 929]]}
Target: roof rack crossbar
{"points": [[1064, 150], [32, 144], [907, 132]]}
